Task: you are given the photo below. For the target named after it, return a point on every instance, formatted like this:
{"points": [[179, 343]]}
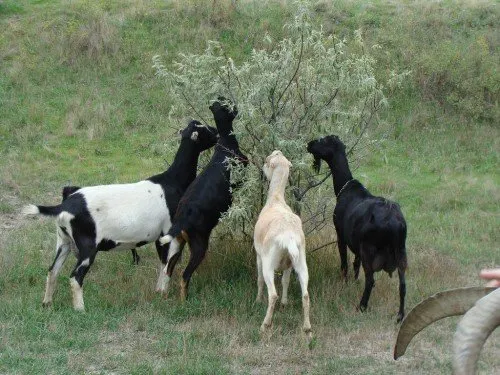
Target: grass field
{"points": [[80, 104]]}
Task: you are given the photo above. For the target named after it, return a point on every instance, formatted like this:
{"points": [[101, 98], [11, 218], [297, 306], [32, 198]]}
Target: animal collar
{"points": [[343, 187]]}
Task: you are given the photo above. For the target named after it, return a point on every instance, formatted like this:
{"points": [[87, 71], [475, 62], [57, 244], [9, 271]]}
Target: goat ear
{"points": [[194, 136]]}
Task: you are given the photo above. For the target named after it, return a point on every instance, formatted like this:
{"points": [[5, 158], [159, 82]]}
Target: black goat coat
{"points": [[209, 195], [374, 223]]}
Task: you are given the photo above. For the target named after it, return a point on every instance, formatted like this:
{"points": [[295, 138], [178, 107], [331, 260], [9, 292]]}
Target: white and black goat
{"points": [[279, 242], [68, 190], [372, 227], [121, 216], [203, 203]]}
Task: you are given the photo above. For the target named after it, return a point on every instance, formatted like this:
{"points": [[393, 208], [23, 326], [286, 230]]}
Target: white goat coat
{"points": [[279, 241], [126, 213]]}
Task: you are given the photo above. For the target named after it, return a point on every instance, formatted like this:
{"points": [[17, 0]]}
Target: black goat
{"points": [[372, 227], [121, 216], [206, 198]]}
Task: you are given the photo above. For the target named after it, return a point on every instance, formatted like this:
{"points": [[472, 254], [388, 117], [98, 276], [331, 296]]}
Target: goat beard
{"points": [[316, 164]]}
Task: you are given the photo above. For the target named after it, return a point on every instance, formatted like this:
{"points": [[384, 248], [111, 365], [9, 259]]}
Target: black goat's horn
{"points": [[441, 305], [472, 332]]}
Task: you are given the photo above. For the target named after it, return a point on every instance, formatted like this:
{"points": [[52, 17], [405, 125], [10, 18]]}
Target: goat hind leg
{"points": [[260, 280], [285, 282], [268, 273], [369, 282], [356, 264], [198, 247], [402, 294], [303, 275], [63, 248]]}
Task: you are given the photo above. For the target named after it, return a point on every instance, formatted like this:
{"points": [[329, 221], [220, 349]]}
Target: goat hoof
{"points": [[46, 304], [362, 308], [400, 317], [308, 332], [265, 327]]}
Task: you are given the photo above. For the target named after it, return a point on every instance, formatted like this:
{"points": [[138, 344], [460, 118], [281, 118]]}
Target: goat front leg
{"points": [[162, 251], [135, 257], [402, 293], [86, 255], [343, 257]]}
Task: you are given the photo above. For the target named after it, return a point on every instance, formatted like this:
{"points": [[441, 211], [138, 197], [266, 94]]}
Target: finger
{"points": [[494, 283], [490, 274]]}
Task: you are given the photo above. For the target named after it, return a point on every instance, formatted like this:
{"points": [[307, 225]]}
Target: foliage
{"points": [[304, 86]]}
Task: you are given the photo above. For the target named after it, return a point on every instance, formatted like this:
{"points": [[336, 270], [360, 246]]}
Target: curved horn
{"points": [[473, 330], [440, 305]]}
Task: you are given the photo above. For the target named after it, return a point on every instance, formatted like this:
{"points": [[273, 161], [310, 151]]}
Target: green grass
{"points": [[80, 104]]}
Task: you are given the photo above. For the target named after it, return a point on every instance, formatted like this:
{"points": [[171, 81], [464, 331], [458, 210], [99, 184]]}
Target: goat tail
{"points": [[290, 244], [31, 210], [293, 251], [166, 239], [172, 233]]}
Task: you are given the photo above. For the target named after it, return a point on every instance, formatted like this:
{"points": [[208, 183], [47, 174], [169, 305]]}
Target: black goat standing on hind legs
{"points": [[372, 227], [208, 196]]}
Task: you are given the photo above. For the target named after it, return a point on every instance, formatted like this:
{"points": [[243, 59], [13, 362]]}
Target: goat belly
{"points": [[127, 214]]}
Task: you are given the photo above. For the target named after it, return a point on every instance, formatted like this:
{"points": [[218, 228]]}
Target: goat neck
{"points": [[227, 146], [183, 168], [227, 142], [341, 174], [278, 184]]}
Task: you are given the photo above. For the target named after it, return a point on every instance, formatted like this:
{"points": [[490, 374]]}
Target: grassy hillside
{"points": [[80, 104]]}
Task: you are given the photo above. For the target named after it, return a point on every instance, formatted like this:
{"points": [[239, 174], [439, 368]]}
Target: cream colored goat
{"points": [[279, 241]]}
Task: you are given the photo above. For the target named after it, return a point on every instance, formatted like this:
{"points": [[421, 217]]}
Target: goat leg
{"points": [[356, 264], [135, 257], [260, 280], [63, 249], [369, 282], [402, 294], [198, 247], [343, 257]]}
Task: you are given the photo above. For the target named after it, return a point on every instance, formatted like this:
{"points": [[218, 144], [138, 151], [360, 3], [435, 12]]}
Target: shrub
{"points": [[290, 91]]}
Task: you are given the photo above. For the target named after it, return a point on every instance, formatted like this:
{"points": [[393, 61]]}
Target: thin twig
{"points": [[193, 108], [320, 247]]}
